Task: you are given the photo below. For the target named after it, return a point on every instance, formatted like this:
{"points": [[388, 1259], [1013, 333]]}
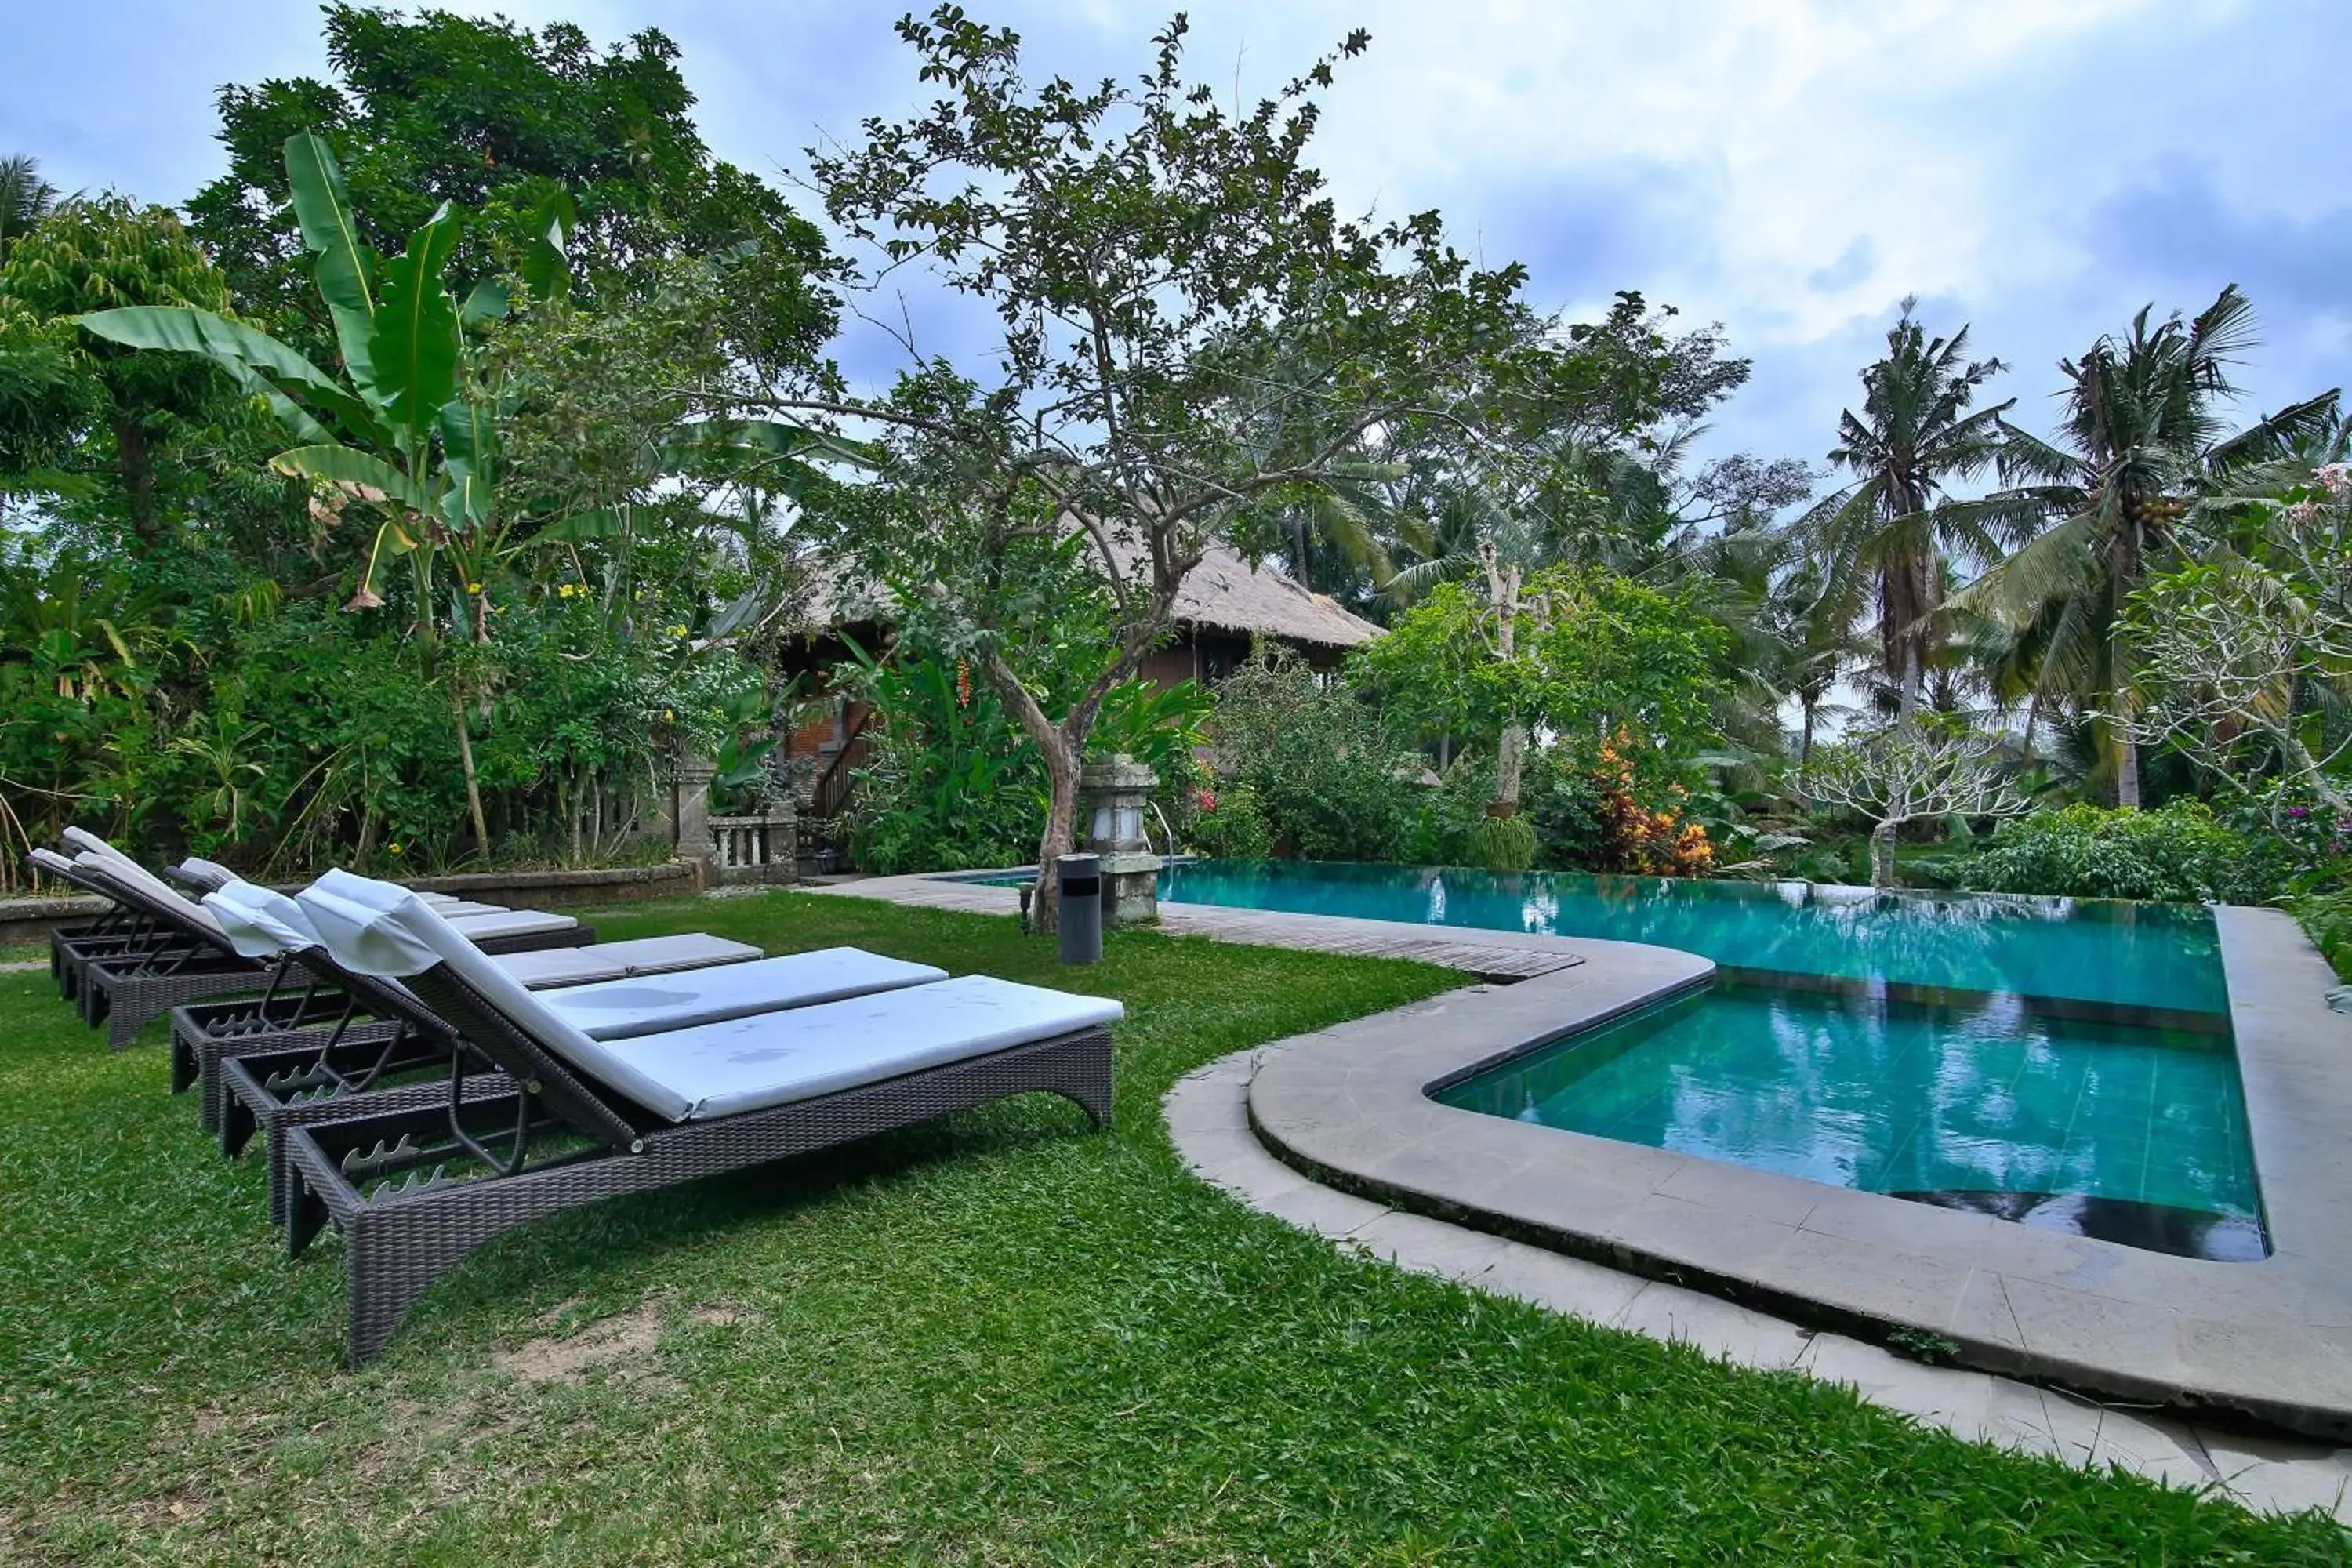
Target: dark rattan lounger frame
{"points": [[385, 1177]]}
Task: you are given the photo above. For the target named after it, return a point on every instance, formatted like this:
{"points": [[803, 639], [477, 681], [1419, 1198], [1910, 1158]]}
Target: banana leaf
{"points": [[344, 272]]}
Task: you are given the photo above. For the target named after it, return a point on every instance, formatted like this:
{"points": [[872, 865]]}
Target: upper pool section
{"points": [[2160, 958]]}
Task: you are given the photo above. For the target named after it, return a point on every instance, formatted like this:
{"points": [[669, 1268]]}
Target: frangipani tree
{"points": [[1935, 766], [2239, 646]]}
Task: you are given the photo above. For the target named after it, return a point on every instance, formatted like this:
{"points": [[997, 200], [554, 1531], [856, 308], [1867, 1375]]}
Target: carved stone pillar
{"points": [[1113, 793], [690, 816]]}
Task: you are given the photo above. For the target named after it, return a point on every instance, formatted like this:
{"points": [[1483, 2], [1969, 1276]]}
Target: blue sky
{"points": [[1790, 168]]}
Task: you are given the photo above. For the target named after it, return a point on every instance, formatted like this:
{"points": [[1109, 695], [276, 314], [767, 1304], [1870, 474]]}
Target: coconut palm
{"points": [[26, 199], [2140, 441], [1885, 536]]}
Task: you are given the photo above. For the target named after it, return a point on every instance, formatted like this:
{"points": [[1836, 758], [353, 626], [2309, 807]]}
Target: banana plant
{"points": [[412, 425]]}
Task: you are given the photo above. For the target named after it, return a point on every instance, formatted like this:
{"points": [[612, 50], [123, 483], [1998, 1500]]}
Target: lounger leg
{"points": [[396, 1255], [306, 1214], [237, 1127], [183, 1065]]}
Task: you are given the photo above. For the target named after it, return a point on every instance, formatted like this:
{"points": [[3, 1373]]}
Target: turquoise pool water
{"points": [[2150, 956], [2065, 1063], [2136, 1135]]}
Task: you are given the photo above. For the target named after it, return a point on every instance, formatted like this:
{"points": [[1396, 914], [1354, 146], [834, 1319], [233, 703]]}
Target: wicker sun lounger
{"points": [[125, 992], [414, 1191], [177, 955], [265, 1084], [319, 997]]}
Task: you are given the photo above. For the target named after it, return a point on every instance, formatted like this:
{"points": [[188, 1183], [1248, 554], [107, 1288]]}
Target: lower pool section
{"points": [[2131, 1134]]}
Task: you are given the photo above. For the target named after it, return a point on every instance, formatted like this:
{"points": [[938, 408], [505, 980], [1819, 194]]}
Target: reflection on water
{"points": [[2147, 955], [1995, 1105]]}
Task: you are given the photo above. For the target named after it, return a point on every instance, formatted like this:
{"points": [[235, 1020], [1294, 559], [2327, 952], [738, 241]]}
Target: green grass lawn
{"points": [[1000, 1340]]}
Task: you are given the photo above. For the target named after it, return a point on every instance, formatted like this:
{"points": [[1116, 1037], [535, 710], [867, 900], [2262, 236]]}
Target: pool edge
{"points": [[2268, 1342]]}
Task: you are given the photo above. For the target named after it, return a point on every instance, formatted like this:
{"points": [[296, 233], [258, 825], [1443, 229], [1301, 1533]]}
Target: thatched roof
{"points": [[1224, 592]]}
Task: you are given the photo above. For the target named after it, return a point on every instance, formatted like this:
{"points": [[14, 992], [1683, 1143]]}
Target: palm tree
{"points": [[26, 199], [2141, 440], [1887, 533]]}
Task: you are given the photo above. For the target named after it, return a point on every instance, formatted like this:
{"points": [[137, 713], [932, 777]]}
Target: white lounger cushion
{"points": [[620, 1008], [623, 960], [259, 923], [87, 842], [452, 908], [130, 874], [774, 1059], [509, 922], [740, 1064], [262, 924]]}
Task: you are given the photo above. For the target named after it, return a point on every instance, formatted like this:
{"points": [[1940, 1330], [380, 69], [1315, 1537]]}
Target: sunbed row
{"points": [[424, 1092]]}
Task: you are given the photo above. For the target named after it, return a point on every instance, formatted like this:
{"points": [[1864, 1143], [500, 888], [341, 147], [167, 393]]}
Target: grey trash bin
{"points": [[1080, 879]]}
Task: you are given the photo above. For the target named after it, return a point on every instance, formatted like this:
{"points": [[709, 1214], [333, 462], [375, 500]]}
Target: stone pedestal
{"points": [[1113, 796], [690, 816]]}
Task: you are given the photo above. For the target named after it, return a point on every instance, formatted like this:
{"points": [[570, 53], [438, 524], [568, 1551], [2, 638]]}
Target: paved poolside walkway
{"points": [[1350, 1105]]}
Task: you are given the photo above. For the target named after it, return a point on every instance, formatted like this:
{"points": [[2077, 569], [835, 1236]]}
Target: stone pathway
{"points": [[1207, 1115], [1488, 954]]}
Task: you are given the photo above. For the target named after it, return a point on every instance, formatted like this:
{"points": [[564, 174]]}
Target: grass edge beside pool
{"points": [[1000, 1338]]}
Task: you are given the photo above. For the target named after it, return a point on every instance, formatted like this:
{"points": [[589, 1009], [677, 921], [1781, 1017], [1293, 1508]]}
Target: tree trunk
{"points": [[1882, 854], [1511, 748], [1062, 745], [2127, 755], [137, 467], [1061, 833], [1510, 767], [1805, 752], [465, 762], [1906, 702], [2125, 578]]}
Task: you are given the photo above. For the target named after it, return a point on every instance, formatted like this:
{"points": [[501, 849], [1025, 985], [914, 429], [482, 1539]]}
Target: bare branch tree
{"points": [[2235, 646], [1903, 775]]}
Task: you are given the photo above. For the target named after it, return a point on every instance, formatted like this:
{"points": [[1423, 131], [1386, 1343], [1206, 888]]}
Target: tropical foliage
{"points": [[427, 567], [470, 448]]}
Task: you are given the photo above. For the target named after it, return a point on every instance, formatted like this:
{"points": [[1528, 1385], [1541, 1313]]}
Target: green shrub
{"points": [[1503, 843], [1333, 781], [1561, 800], [2328, 918], [2178, 853], [1231, 824]]}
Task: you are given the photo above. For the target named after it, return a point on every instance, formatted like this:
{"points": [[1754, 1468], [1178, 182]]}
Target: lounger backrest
{"points": [[210, 875], [144, 890], [83, 842], [379, 928], [254, 924], [58, 866]]}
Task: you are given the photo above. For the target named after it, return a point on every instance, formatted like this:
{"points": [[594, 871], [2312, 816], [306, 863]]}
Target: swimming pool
{"points": [[2131, 1134], [2062, 1063], [2157, 957]]}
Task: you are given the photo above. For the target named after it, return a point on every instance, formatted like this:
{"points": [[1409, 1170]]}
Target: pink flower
{"points": [[2335, 477], [1208, 799]]}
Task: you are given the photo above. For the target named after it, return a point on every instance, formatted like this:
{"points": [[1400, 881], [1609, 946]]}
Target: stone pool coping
{"points": [[1207, 1112], [2269, 1342]]}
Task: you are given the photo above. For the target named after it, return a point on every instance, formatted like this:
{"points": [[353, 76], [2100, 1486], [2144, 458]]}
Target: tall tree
{"points": [[1884, 536], [26, 199], [95, 411], [2142, 436], [1187, 327], [497, 119]]}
